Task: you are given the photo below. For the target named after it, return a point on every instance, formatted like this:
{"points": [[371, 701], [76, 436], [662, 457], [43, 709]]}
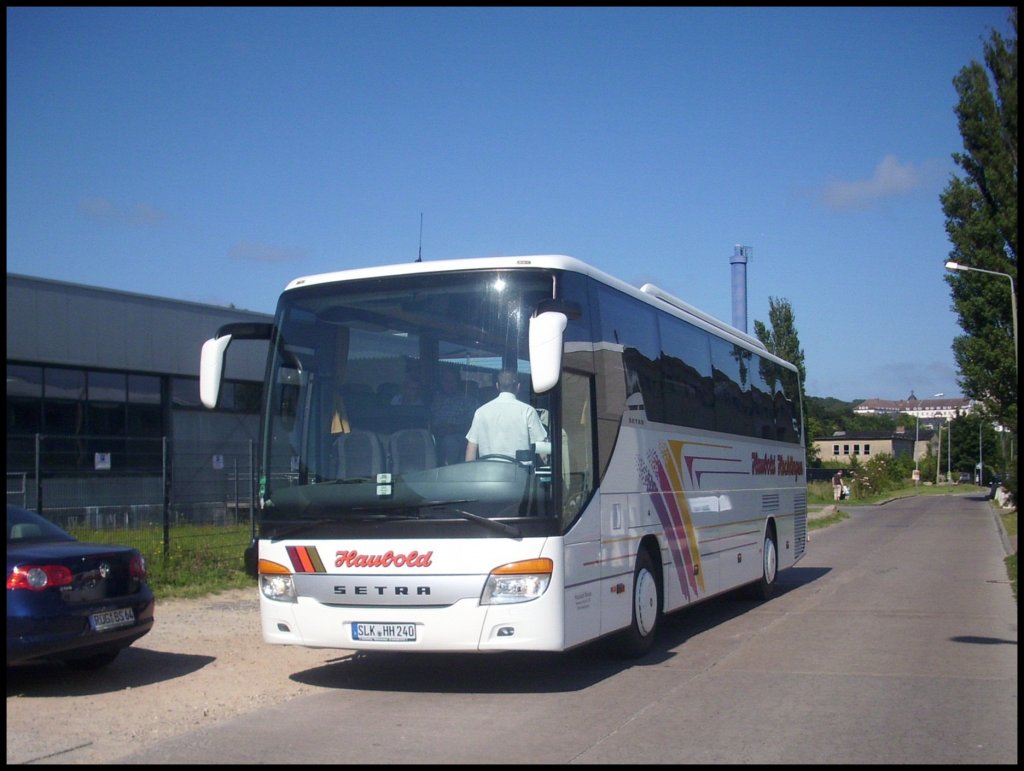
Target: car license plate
{"points": [[384, 632], [112, 619]]}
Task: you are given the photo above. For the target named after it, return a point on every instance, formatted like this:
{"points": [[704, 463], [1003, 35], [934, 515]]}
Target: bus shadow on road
{"points": [[572, 670]]}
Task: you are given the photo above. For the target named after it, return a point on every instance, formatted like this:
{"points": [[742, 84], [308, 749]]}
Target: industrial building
{"points": [[103, 399]]}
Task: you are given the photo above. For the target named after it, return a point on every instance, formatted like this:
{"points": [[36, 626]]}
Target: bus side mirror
{"points": [[546, 349], [211, 361], [211, 369]]}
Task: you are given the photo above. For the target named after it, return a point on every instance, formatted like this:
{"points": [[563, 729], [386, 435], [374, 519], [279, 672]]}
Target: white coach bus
{"points": [[672, 471]]}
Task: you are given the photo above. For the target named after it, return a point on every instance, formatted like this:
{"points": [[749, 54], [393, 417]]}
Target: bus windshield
{"points": [[372, 389]]}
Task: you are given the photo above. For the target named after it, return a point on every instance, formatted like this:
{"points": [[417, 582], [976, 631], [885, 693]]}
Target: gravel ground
{"points": [[203, 661]]}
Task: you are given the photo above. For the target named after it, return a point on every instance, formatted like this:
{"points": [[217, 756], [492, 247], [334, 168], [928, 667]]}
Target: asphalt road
{"points": [[893, 641]]}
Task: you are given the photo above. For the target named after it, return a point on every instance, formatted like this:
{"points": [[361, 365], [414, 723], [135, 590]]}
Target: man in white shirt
{"points": [[504, 425]]}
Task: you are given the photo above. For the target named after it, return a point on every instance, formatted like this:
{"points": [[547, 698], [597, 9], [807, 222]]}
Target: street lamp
{"points": [[953, 265], [949, 452], [938, 452], [981, 461], [917, 438]]}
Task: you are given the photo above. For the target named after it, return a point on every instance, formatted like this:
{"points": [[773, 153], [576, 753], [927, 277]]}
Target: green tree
{"points": [[825, 416], [975, 440], [782, 339], [981, 221]]}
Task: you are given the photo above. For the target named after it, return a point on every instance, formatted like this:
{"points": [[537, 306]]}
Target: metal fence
{"points": [[180, 495]]}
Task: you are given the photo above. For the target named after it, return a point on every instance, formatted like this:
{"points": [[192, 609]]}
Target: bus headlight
{"points": [[276, 582], [517, 582]]}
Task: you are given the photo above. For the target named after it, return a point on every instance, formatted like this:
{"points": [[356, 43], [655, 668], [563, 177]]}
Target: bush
{"points": [[881, 474], [1010, 483]]}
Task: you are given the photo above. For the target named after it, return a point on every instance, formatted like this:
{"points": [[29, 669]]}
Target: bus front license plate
{"points": [[384, 632]]}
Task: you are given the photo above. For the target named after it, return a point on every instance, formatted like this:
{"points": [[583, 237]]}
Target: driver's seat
{"points": [[412, 449], [360, 454]]}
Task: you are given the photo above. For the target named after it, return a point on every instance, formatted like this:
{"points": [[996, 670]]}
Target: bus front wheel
{"points": [[637, 638]]}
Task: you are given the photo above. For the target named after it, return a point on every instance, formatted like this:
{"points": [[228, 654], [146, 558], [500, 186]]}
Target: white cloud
{"points": [[105, 210], [890, 178], [249, 251]]}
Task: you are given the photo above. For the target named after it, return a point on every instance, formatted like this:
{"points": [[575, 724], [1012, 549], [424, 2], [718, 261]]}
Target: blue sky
{"points": [[212, 155]]}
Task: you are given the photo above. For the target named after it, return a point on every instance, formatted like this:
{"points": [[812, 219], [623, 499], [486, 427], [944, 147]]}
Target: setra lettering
{"points": [[360, 590]]}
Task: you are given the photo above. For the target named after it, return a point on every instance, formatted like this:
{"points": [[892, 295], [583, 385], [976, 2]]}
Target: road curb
{"points": [[1010, 545]]}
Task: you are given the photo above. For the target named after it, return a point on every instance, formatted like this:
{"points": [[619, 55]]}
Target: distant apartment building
{"points": [[931, 412]]}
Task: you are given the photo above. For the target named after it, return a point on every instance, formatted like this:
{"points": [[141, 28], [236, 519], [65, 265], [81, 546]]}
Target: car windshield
{"points": [[24, 525]]}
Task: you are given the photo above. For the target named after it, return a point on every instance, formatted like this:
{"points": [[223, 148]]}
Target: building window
{"points": [[24, 415], [107, 387], [867, 449], [64, 403], [143, 389], [145, 418], [107, 397], [835, 450], [846, 449], [856, 449], [63, 400], [185, 392], [235, 396], [24, 399]]}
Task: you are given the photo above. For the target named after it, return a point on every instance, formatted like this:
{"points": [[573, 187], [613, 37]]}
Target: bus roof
{"points": [[556, 261], [649, 293]]}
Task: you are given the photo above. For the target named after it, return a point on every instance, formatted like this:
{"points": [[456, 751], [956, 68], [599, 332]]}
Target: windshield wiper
{"points": [[505, 529]]}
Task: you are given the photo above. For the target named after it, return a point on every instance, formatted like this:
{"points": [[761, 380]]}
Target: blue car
{"points": [[80, 603]]}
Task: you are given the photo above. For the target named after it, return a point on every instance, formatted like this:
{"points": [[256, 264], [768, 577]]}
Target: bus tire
{"points": [[764, 589], [636, 640]]}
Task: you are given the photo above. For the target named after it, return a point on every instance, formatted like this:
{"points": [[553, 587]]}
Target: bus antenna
{"points": [[419, 256]]}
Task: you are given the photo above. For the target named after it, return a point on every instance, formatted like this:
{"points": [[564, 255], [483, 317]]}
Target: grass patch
{"points": [[1009, 519], [819, 522], [199, 559], [821, 492]]}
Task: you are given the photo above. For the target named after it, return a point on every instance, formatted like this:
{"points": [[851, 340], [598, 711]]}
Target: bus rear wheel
{"points": [[636, 640], [765, 588]]}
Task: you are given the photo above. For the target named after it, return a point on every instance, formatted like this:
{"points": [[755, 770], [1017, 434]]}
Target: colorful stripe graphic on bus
{"points": [[305, 559], [663, 475], [660, 474]]}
